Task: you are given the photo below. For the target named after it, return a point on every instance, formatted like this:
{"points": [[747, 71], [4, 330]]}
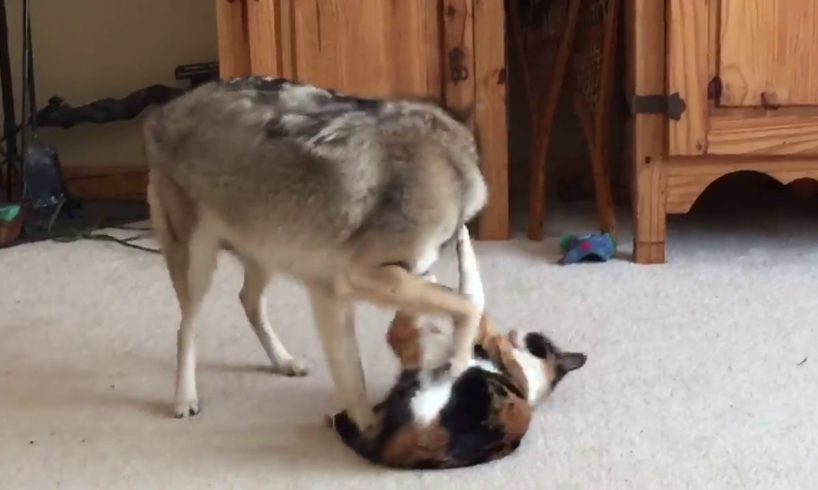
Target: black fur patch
{"points": [[396, 409], [394, 412], [480, 352], [539, 345], [471, 441], [356, 103], [275, 128], [262, 84], [347, 429]]}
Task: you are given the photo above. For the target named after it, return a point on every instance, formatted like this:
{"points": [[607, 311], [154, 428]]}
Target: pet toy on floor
{"points": [[596, 247]]}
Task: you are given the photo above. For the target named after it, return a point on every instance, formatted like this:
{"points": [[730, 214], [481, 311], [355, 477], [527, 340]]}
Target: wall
{"points": [[90, 49]]}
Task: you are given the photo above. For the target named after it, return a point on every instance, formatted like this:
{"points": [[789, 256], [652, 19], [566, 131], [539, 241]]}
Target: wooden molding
{"points": [[107, 182], [687, 179], [491, 114]]}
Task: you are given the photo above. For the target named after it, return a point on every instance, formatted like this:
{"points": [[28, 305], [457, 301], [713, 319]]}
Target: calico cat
{"points": [[429, 419]]}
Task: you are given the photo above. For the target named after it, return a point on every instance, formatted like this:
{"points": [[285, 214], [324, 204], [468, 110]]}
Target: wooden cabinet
{"points": [[449, 51], [717, 86]]}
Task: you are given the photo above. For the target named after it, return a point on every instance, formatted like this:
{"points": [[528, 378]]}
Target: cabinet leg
{"points": [[649, 253], [649, 216]]}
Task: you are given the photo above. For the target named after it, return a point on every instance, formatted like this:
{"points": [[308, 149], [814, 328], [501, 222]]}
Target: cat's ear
{"points": [[570, 361]]}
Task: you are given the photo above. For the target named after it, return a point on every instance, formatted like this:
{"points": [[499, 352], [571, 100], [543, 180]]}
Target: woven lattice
{"points": [[544, 22], [587, 71], [587, 61]]}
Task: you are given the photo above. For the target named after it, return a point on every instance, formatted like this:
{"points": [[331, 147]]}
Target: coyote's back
{"points": [[317, 169]]}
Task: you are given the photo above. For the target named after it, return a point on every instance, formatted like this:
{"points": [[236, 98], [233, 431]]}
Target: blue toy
{"points": [[596, 247]]}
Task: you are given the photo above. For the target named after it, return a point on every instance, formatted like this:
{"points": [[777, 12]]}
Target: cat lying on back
{"points": [[430, 419]]}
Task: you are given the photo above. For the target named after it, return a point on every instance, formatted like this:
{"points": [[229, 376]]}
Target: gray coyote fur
{"points": [[352, 197]]}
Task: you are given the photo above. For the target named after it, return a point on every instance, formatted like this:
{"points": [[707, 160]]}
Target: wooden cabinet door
{"points": [[748, 73], [374, 48], [377, 48]]}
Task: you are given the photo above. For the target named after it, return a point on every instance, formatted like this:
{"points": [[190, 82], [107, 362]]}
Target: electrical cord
{"points": [[103, 237]]}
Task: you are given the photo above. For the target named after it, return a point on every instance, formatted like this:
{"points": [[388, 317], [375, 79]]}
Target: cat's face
{"points": [[543, 363]]}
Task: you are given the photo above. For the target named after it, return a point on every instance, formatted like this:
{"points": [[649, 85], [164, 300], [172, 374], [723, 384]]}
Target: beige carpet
{"points": [[702, 373]]}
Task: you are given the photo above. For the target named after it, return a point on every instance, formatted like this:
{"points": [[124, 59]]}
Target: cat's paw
{"points": [[343, 424]]}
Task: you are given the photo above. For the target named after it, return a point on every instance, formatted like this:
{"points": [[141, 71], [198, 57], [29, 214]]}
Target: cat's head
{"points": [[541, 363]]}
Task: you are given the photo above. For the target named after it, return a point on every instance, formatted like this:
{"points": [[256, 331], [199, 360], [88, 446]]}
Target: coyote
{"points": [[352, 197]]}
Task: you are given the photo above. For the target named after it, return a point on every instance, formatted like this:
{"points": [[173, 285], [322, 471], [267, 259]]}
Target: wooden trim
{"points": [[687, 68], [687, 178], [646, 75], [458, 34], [234, 50], [491, 115], [432, 23], [286, 27], [114, 182], [263, 27], [713, 38], [782, 132]]}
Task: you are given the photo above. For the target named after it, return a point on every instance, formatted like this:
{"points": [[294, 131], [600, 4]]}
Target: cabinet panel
{"points": [[687, 70], [234, 50], [383, 48], [768, 48], [744, 69]]}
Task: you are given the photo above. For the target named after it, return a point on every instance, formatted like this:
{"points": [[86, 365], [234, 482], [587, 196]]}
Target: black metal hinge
{"points": [[672, 106]]}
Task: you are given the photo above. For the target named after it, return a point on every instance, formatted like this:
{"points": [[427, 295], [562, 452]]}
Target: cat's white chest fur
{"points": [[430, 400], [434, 394], [534, 373]]}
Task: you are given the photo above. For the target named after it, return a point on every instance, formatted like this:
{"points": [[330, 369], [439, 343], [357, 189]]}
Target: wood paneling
{"points": [[768, 46], [378, 49], [458, 49], [646, 75], [234, 50], [491, 115], [263, 33], [687, 67], [782, 132]]}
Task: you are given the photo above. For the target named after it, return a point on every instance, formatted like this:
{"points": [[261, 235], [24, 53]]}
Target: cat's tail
{"points": [[353, 438]]}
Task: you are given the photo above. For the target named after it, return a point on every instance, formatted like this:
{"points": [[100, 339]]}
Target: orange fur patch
{"points": [[404, 339], [515, 417], [413, 444]]}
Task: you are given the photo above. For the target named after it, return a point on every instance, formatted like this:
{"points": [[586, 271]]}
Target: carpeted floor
{"points": [[702, 373]]}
